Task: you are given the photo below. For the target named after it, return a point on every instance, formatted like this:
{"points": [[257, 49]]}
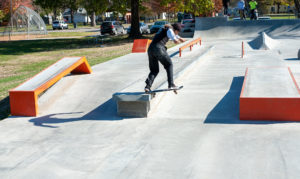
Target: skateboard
{"points": [[163, 90]]}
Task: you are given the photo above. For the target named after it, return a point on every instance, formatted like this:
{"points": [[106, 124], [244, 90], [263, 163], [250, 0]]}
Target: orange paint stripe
{"points": [[294, 80], [244, 84]]}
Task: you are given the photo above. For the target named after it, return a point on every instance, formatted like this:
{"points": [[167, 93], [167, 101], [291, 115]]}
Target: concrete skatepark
{"points": [[195, 134]]}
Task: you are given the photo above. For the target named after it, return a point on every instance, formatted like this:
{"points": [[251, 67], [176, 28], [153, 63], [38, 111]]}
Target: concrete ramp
{"points": [[263, 42], [222, 28]]}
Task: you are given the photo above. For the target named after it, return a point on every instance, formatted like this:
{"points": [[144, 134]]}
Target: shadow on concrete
{"points": [[256, 43], [4, 108], [105, 112], [174, 54], [227, 111], [291, 59]]}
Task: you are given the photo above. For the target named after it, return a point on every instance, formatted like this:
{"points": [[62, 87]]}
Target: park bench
{"points": [[190, 44], [23, 99]]}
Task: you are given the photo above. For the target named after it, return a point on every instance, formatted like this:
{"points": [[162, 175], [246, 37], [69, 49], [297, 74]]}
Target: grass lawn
{"points": [[70, 34], [20, 60], [283, 17], [280, 16], [2, 29], [49, 27]]}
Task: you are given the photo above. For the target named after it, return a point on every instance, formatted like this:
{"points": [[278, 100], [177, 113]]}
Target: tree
{"points": [[94, 7], [1, 16], [135, 19], [197, 7], [119, 6], [73, 5], [278, 3], [53, 5], [218, 5], [297, 5], [5, 6]]}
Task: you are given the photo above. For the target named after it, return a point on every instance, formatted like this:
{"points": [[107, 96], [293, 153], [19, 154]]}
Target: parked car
{"points": [[143, 28], [112, 27], [59, 25], [157, 25], [187, 21], [188, 25], [187, 16]]}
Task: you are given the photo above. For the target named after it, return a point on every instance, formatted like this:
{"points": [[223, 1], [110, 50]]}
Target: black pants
{"points": [[242, 14], [157, 52], [253, 14], [225, 9]]}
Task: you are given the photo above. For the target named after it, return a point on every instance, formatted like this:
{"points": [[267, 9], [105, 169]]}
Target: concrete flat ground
{"points": [[195, 134]]}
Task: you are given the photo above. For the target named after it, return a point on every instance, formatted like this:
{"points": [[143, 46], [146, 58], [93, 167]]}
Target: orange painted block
{"points": [[23, 99], [270, 94], [140, 45]]}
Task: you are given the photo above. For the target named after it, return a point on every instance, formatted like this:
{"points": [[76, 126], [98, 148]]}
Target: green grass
{"points": [[2, 29], [280, 16], [70, 26], [283, 17], [70, 34]]}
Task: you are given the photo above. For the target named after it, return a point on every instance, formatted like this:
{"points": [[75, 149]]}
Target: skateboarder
{"points": [[158, 52], [253, 9]]}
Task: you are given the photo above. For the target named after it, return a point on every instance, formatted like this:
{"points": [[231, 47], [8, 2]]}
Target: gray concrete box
{"points": [[132, 104]]}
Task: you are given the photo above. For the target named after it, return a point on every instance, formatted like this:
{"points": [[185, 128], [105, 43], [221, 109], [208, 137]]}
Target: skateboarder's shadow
{"points": [[227, 110], [104, 112]]}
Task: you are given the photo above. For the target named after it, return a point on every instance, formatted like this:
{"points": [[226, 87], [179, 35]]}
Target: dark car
{"points": [[188, 25], [186, 21], [112, 27], [157, 25], [143, 28], [187, 16]]}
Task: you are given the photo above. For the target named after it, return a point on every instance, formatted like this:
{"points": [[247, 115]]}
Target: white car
{"points": [[59, 25]]}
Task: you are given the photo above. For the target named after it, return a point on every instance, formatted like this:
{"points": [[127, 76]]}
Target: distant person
{"points": [[225, 6], [253, 9], [241, 8], [157, 52], [179, 17]]}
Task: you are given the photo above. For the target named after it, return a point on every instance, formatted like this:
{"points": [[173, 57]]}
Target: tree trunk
{"points": [[135, 20], [72, 16], [93, 19], [55, 14], [278, 7], [87, 18], [297, 5]]}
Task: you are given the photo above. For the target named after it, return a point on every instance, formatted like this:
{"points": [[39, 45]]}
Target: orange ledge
{"points": [[269, 108], [190, 44], [140, 45], [24, 103]]}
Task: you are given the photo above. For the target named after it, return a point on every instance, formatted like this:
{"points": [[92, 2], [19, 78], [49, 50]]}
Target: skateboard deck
{"points": [[164, 90]]}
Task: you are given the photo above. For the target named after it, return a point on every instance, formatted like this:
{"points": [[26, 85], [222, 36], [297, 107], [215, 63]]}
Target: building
{"points": [[80, 16]]}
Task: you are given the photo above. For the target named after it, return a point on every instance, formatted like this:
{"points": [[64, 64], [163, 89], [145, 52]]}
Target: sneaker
{"points": [[173, 87], [147, 89]]}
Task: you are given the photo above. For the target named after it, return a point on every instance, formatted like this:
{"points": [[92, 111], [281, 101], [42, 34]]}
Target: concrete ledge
{"points": [[259, 100], [137, 96], [133, 104]]}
